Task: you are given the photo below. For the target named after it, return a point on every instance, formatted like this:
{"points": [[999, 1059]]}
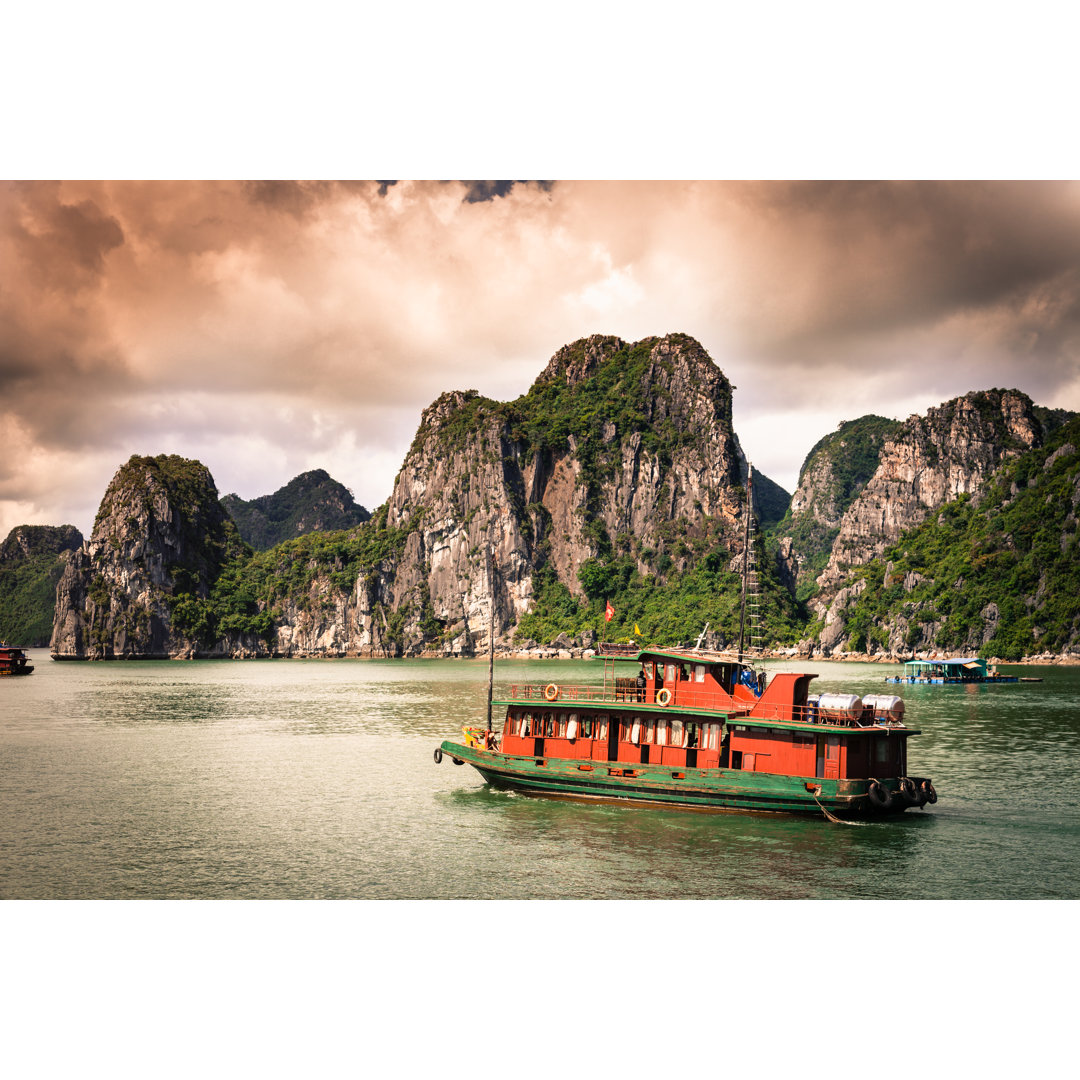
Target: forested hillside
{"points": [[31, 562], [997, 573], [310, 502]]}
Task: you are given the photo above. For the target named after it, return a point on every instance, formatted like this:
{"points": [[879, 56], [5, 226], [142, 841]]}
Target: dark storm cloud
{"points": [[64, 245], [486, 190], [885, 255]]}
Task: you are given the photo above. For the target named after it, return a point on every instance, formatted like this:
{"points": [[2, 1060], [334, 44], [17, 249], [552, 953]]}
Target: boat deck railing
{"points": [[698, 700]]}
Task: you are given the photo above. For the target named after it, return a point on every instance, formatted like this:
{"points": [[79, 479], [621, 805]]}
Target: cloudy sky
{"points": [[270, 328]]}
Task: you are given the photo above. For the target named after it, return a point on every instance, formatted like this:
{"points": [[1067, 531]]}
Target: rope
{"points": [[832, 817]]}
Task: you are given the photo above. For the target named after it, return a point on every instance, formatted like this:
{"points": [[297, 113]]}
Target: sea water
{"points": [[315, 779]]}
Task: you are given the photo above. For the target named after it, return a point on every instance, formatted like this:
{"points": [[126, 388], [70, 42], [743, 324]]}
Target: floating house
{"points": [[969, 669]]}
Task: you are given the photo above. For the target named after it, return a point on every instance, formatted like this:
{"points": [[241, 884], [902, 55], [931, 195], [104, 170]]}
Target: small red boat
{"points": [[13, 661]]}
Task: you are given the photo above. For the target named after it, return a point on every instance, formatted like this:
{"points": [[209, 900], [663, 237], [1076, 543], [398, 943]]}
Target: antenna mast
{"points": [[746, 553]]}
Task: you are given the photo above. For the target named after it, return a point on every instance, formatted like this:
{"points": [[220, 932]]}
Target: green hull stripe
{"points": [[703, 788]]}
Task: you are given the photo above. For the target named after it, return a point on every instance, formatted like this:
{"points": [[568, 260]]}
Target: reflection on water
{"points": [[299, 779]]}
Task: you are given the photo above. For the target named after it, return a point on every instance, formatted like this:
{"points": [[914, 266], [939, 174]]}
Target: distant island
{"points": [[616, 484]]}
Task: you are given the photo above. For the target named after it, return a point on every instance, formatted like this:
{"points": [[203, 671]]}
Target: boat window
{"points": [[586, 728], [669, 673], [560, 731], [881, 750], [832, 748], [691, 739], [648, 732], [526, 724], [601, 727], [661, 733], [699, 673], [678, 736], [549, 725], [711, 736], [648, 666]]}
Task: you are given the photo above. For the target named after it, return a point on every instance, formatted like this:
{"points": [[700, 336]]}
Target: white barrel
{"points": [[840, 706], [886, 706]]}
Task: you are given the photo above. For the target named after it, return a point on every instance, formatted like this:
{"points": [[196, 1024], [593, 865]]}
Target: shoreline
{"points": [[558, 652]]}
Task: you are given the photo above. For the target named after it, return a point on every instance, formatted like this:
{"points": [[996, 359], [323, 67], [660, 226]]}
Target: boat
{"points": [[13, 661], [698, 729], [701, 730], [970, 669]]}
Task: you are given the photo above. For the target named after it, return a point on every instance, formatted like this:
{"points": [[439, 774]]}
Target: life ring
{"points": [[909, 791], [663, 697], [928, 792], [438, 754], [551, 692], [879, 795]]}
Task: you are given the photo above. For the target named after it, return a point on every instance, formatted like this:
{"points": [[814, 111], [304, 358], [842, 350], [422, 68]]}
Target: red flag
{"points": [[609, 611]]}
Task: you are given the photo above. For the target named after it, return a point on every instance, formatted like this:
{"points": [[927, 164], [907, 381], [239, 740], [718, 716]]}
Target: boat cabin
{"points": [[704, 710]]}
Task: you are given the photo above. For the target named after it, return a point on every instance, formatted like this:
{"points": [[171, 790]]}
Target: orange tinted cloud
{"points": [[268, 328]]}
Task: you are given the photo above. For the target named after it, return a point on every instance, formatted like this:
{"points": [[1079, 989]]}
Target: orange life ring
{"points": [[663, 697], [551, 692]]}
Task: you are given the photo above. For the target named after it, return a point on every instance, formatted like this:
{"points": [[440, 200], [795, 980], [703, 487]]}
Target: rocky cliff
{"points": [[160, 537], [834, 473], [612, 445], [310, 502], [930, 461], [995, 573], [617, 474], [32, 558]]}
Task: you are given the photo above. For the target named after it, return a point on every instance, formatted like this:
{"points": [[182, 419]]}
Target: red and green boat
{"points": [[699, 730], [14, 661]]}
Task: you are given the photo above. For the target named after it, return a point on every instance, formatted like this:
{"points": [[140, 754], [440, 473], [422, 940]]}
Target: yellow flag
{"points": [[637, 630]]}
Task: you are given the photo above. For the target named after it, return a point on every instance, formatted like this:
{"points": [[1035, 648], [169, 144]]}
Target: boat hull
{"points": [[707, 790], [942, 680]]}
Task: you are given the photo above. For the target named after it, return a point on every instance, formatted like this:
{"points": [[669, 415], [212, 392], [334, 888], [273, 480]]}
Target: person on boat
{"points": [[641, 684]]}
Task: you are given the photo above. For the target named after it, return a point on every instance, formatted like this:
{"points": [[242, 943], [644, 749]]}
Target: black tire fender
{"points": [[879, 795], [438, 754], [928, 792], [457, 761], [909, 791]]}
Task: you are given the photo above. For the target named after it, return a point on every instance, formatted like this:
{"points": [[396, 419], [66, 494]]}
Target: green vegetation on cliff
{"points": [[999, 574], [311, 502], [31, 562], [256, 588], [842, 462], [669, 609]]}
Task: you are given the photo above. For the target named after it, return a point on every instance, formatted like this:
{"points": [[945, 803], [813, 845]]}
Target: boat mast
{"points": [[746, 552], [491, 639]]}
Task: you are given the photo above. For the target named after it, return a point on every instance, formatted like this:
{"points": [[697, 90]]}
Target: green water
{"points": [[297, 779]]}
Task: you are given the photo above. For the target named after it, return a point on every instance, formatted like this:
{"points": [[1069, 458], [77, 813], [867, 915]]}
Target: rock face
{"points": [[556, 477], [160, 535], [31, 562], [310, 502], [835, 471], [929, 462], [616, 447], [26, 542]]}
